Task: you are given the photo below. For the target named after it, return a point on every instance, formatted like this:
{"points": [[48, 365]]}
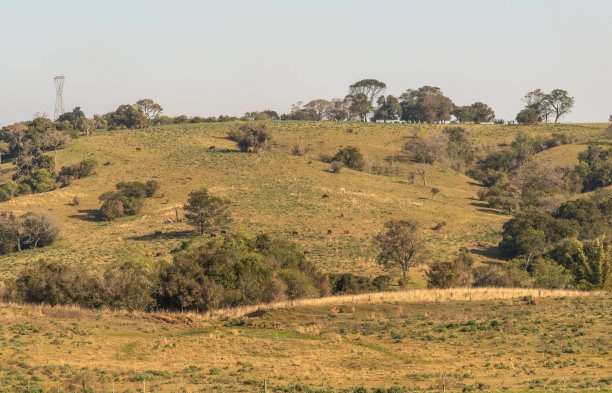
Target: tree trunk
{"points": [[403, 278], [55, 157]]}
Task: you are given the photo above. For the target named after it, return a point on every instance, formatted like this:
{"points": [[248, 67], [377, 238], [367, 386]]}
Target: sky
{"points": [[208, 58]]}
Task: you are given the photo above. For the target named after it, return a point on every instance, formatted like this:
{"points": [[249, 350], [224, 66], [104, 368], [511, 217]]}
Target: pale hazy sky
{"points": [[227, 57]]}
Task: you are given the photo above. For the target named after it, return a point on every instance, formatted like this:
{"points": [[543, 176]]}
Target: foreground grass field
{"points": [[558, 342], [275, 192]]}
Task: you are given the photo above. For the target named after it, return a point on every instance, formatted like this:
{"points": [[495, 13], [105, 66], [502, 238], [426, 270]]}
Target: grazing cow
{"points": [[138, 149], [295, 233], [346, 232], [325, 196], [223, 233], [158, 254], [341, 215], [213, 235], [306, 252], [329, 231], [211, 148], [167, 200]]}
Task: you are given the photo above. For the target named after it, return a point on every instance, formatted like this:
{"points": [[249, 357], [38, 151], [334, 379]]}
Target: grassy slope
{"points": [[544, 344], [272, 191]]}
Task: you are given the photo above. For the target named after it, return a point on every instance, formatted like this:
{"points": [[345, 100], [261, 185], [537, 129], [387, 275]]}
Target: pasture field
{"points": [[276, 192], [502, 341]]}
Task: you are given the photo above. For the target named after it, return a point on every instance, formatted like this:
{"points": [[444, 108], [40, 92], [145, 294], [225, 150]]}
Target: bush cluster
{"points": [[127, 200], [31, 230], [350, 157], [43, 179], [575, 237], [351, 284], [250, 136], [80, 170], [227, 272]]}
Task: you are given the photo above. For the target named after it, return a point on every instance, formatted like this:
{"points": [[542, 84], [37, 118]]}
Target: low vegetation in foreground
{"points": [[524, 344]]}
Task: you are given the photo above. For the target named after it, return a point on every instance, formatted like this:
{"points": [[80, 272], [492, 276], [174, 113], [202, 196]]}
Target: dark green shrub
{"points": [[351, 157], [250, 136], [236, 271], [80, 170], [41, 181], [127, 201]]}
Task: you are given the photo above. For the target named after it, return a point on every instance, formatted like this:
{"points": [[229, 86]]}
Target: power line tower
{"points": [[59, 96]]}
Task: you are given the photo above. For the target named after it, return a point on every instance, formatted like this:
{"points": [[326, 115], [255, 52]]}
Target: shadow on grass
{"points": [[489, 252], [87, 215], [164, 235], [486, 208], [225, 151]]}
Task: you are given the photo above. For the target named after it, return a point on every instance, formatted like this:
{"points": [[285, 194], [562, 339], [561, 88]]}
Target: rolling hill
{"points": [[276, 192]]}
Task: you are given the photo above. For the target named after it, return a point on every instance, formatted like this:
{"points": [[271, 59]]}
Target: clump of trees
{"points": [[426, 104], [127, 117], [31, 230], [595, 167], [127, 200], [477, 113], [225, 272], [449, 146], [540, 106], [250, 137], [575, 237], [43, 179]]}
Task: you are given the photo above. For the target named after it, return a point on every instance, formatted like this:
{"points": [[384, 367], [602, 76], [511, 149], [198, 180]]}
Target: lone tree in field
{"points": [[560, 102], [401, 246], [207, 212], [434, 191]]}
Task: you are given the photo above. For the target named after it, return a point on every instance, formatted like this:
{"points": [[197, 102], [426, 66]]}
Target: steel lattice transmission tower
{"points": [[59, 96]]}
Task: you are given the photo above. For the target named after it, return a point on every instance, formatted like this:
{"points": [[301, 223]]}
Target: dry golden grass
{"points": [[559, 341], [409, 296]]}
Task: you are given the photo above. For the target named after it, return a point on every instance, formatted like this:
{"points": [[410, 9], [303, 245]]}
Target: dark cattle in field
{"points": [[329, 231], [138, 149], [211, 148], [213, 235], [223, 232], [325, 196], [158, 254], [295, 233], [306, 252], [341, 215]]}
